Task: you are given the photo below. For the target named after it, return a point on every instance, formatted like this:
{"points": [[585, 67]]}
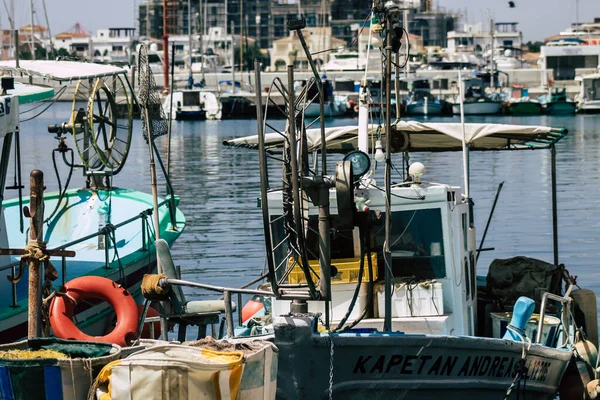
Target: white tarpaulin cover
{"points": [[60, 70], [419, 136]]}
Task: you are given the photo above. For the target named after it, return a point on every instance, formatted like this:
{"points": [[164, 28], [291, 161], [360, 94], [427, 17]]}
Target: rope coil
{"points": [[151, 288]]}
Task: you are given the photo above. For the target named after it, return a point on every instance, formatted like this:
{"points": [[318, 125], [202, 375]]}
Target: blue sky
{"points": [[537, 18]]}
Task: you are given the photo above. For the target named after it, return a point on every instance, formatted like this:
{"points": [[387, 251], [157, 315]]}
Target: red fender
{"points": [[155, 326], [94, 287], [252, 307]]}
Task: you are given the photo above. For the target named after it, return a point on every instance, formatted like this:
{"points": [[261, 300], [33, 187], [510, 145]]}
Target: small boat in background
{"points": [[556, 102], [477, 101], [421, 101], [519, 102], [588, 100], [192, 103]]}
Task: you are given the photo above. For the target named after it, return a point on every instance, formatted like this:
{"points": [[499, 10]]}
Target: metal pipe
{"points": [[171, 109], [14, 288], [17, 57], [239, 299], [487, 225], [171, 199], [19, 177], [387, 322], [213, 288], [106, 246], [63, 269], [36, 234], [6, 145], [32, 42], [228, 313], [397, 84], [554, 206], [165, 48], [563, 301]]}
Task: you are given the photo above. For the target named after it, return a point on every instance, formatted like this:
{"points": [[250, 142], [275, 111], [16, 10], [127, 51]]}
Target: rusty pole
{"points": [[36, 233]]}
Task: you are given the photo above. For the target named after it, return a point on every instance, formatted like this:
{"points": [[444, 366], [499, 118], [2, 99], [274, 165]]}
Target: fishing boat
{"points": [[476, 100], [374, 287], [519, 102], [588, 99], [109, 228], [421, 101], [192, 104], [556, 102]]}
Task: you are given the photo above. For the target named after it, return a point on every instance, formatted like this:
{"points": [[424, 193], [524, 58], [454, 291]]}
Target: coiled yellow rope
{"points": [[151, 288]]}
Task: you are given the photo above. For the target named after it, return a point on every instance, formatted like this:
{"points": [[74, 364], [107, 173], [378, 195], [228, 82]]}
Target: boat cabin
{"points": [[432, 260]]}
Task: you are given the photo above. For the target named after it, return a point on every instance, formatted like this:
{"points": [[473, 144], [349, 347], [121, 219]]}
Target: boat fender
{"points": [[593, 390], [253, 307], [83, 288], [577, 381], [147, 325], [586, 302], [521, 314]]}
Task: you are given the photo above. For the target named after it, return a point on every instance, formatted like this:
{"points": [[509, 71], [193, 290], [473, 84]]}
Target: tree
{"points": [[534, 47]]}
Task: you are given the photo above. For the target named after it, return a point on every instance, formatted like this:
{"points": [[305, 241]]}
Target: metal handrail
{"points": [[104, 231], [227, 291], [565, 301]]}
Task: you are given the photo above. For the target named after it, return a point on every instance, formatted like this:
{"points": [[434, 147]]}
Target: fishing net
{"points": [[154, 122]]}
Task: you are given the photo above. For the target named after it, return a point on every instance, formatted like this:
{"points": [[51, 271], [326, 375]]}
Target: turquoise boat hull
{"points": [[560, 108], [81, 214]]}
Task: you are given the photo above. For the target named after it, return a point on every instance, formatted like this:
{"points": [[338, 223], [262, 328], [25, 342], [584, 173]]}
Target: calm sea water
{"points": [[223, 241]]}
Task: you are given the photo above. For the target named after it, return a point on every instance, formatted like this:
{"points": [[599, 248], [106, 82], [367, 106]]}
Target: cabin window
{"points": [[416, 243], [191, 99]]}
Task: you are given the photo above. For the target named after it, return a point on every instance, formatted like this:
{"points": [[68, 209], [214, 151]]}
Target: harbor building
{"points": [[573, 52]]}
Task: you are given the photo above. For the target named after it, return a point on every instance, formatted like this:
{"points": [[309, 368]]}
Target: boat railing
{"points": [[226, 291], [106, 231], [565, 301]]}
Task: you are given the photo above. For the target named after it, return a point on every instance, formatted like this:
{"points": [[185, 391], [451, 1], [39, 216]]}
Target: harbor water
{"points": [[219, 186]]}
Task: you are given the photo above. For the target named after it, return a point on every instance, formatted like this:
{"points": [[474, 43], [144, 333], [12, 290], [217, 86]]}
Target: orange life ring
{"points": [[252, 307], [94, 287]]}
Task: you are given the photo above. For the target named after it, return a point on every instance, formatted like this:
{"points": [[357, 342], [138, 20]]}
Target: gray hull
{"points": [[399, 366], [478, 108]]}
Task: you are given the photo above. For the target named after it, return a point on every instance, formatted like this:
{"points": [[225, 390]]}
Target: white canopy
{"points": [[418, 136], [60, 70]]}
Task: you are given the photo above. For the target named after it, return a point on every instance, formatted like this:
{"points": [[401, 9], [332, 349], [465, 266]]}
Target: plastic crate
{"points": [[347, 270]]}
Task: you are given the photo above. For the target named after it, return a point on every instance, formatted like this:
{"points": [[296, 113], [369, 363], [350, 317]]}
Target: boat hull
{"points": [[524, 108], [478, 108], [559, 108], [400, 366], [332, 109], [421, 109], [590, 107], [134, 255]]}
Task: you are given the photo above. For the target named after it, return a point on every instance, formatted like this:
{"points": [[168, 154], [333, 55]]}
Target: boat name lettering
{"points": [[5, 106], [490, 366]]}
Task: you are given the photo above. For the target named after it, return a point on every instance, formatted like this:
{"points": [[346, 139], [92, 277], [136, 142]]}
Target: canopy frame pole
{"points": [[388, 281], [554, 205]]}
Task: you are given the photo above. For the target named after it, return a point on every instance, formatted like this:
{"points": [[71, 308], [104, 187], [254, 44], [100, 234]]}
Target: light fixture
{"points": [[379, 154], [416, 170]]}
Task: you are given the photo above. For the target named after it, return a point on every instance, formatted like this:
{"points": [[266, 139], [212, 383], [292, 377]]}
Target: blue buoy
{"points": [[521, 314]]}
